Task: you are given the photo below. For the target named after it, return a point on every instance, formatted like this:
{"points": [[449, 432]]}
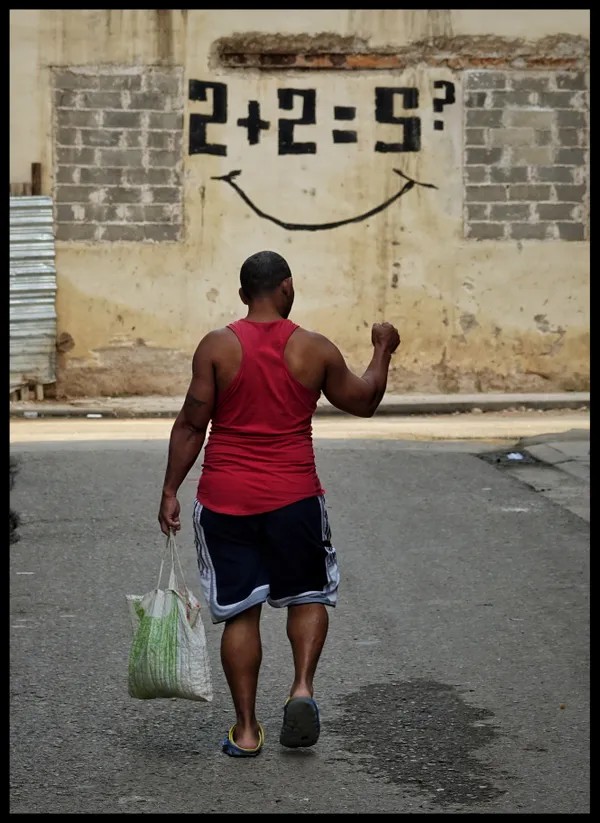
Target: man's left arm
{"points": [[188, 432]]}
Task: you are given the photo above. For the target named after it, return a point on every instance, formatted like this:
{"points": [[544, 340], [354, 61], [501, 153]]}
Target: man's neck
{"points": [[263, 314]]}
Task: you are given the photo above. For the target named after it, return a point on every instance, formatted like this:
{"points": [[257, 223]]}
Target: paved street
{"points": [[456, 673]]}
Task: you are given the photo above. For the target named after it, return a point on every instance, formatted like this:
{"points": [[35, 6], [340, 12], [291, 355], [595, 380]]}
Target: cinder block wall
{"points": [[529, 130], [118, 154]]}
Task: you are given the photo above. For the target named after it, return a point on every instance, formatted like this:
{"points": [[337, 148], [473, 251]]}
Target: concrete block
{"points": [[164, 194], [134, 139], [534, 156], [159, 139], [485, 79], [75, 157], [478, 211], [543, 137], [571, 231], [485, 231], [123, 233], [157, 214], [485, 194], [99, 100], [118, 194], [75, 231], [557, 100], [132, 214], [571, 119], [475, 100], [529, 82], [122, 119], [529, 231], [147, 177], [571, 81], [571, 194], [475, 137], [511, 137], [100, 137], [67, 174], [65, 214], [159, 233], [164, 158], [555, 211], [99, 213], [65, 99], [147, 101], [66, 137], [483, 156], [570, 137], [120, 82], [74, 80], [530, 118], [505, 99], [509, 174], [529, 192], [166, 120], [78, 118], [165, 83], [101, 175], [510, 211], [554, 174], [74, 194], [570, 157], [121, 157], [484, 118], [476, 174]]}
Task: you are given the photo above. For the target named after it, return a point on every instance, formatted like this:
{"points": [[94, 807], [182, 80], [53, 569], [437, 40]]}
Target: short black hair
{"points": [[262, 272]]}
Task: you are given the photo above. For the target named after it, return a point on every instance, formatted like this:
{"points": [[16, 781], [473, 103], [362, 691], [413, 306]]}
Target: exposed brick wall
{"points": [[526, 146], [118, 154]]}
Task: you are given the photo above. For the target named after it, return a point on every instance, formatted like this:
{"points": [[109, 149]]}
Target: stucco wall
{"points": [[508, 313]]}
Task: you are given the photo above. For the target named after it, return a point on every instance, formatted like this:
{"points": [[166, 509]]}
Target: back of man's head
{"points": [[262, 273]]}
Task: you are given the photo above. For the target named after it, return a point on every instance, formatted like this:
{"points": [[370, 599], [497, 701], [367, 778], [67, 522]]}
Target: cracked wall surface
{"points": [[140, 117]]}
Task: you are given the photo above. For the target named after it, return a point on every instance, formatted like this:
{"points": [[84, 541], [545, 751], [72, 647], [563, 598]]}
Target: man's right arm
{"points": [[346, 391]]}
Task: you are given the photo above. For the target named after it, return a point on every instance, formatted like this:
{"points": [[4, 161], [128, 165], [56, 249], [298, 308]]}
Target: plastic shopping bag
{"points": [[169, 655]]}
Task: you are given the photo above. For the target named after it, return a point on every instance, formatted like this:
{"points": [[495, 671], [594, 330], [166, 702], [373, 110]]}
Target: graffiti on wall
{"points": [[405, 187], [385, 102]]}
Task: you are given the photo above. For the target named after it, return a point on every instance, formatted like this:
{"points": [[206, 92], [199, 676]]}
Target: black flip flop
{"points": [[301, 723]]}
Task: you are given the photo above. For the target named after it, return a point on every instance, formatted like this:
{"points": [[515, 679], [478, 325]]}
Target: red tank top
{"points": [[259, 455]]}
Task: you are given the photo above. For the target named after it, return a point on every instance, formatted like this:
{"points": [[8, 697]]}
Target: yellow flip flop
{"points": [[230, 747]]}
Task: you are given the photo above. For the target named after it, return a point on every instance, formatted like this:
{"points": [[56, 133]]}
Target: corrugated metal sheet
{"points": [[32, 292]]}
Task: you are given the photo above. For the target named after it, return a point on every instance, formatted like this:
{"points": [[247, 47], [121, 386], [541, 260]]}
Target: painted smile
{"points": [[407, 186]]}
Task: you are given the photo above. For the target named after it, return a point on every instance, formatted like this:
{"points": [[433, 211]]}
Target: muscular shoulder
{"points": [[314, 344], [312, 340], [217, 340]]}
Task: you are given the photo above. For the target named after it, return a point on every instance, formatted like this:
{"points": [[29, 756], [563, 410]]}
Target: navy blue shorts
{"points": [[284, 557]]}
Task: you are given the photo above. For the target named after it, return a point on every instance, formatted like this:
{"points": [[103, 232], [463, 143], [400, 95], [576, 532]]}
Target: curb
{"points": [[400, 406]]}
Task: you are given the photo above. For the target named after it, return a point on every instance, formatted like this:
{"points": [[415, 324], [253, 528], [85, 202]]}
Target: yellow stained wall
{"points": [[482, 315]]}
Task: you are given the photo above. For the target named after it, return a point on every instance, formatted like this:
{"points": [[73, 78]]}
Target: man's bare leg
{"points": [[241, 656], [307, 626]]}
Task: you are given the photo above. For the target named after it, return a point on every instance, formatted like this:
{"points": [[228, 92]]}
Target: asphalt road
{"points": [[455, 677]]}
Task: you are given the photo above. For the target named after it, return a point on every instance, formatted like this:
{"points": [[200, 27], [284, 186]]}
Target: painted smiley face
{"points": [[407, 186]]}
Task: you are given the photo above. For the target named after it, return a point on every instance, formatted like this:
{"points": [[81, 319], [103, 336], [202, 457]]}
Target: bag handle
{"points": [[171, 548]]}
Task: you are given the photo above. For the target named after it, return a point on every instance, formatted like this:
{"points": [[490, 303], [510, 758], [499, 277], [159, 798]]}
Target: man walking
{"points": [[260, 520]]}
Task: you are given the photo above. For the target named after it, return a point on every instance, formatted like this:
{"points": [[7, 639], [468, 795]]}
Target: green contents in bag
{"points": [[169, 656]]}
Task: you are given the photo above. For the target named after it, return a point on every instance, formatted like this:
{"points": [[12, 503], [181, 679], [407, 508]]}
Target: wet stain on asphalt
{"points": [[423, 735]]}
